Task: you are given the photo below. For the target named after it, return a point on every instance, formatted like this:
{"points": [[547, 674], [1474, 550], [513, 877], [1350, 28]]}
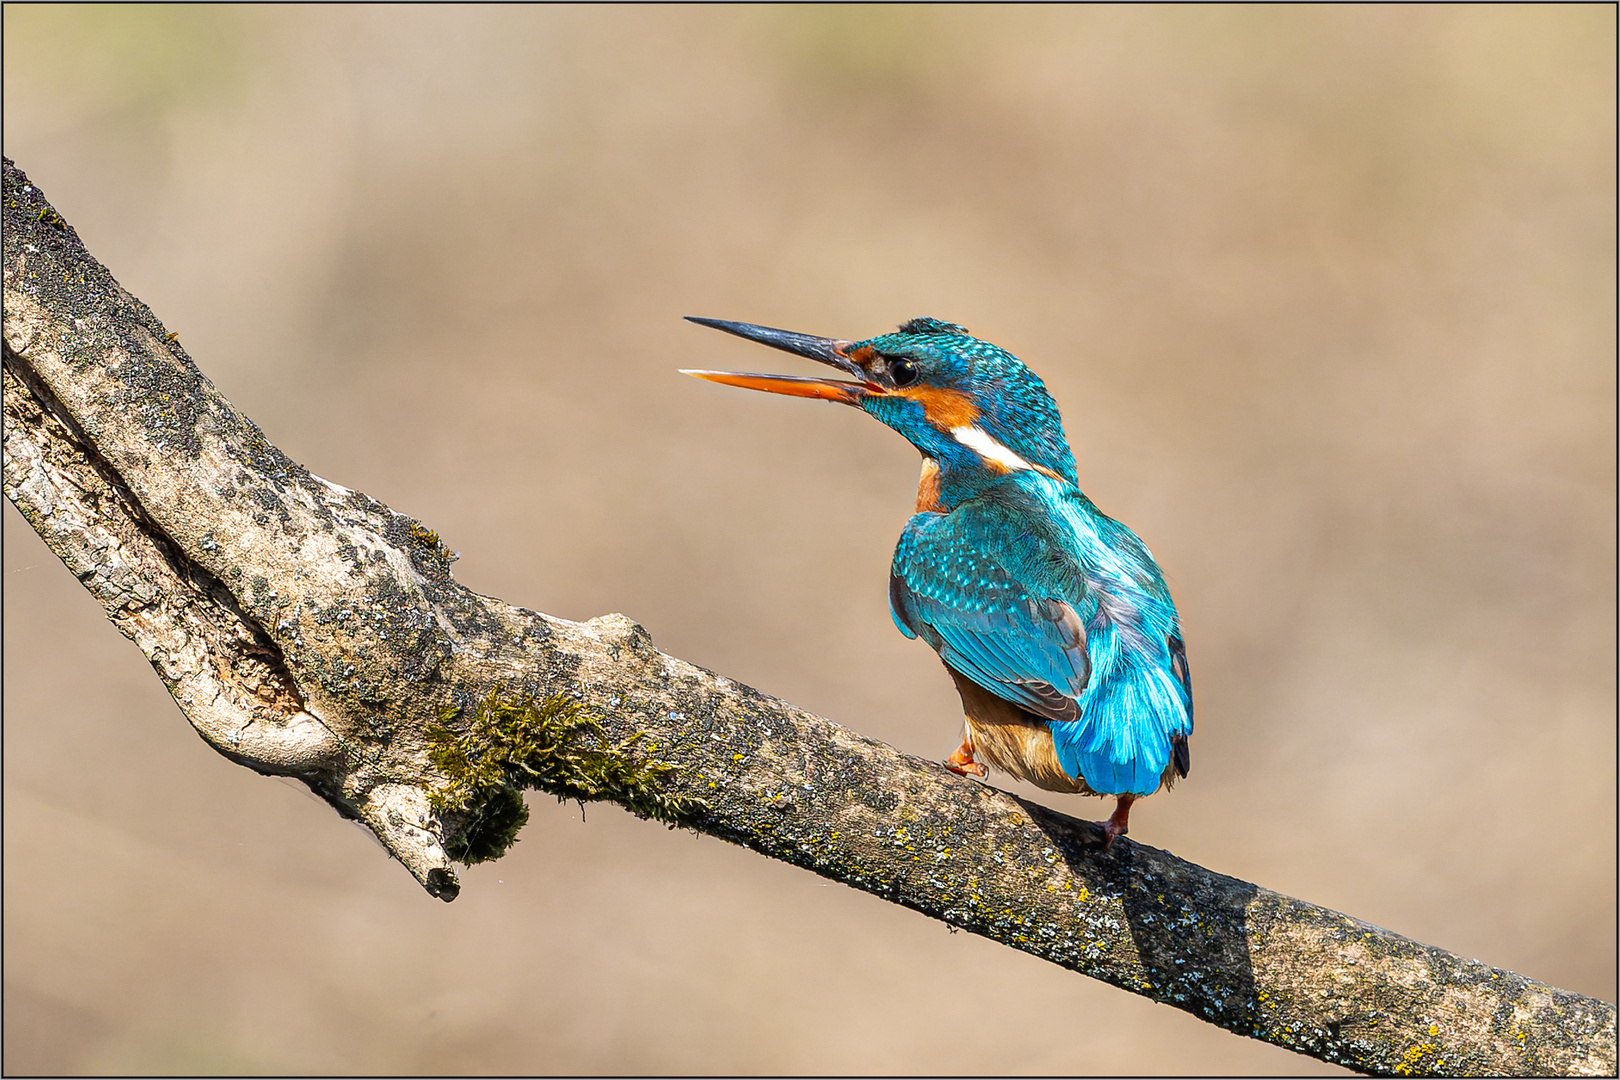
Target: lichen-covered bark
{"points": [[308, 630]]}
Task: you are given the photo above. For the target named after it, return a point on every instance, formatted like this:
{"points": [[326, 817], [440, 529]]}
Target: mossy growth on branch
{"points": [[511, 744]]}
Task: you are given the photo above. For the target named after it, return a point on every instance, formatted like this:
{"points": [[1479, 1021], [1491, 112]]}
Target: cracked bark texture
{"points": [[310, 631]]}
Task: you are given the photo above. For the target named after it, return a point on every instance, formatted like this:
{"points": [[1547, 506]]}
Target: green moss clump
{"points": [[553, 745], [493, 823]]}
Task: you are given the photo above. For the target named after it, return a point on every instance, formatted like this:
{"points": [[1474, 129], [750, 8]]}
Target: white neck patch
{"points": [[979, 441]]}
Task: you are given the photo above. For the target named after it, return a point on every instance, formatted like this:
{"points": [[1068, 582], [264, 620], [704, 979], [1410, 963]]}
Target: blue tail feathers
{"points": [[1128, 716]]}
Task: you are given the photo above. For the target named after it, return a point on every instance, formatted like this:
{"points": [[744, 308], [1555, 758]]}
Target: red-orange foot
{"points": [[1119, 824], [961, 762]]}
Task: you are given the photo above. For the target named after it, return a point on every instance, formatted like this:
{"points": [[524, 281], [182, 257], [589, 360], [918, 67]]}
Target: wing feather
{"points": [[961, 595]]}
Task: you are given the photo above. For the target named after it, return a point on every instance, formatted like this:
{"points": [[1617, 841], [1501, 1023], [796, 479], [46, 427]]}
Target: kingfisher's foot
{"points": [[1119, 824], [961, 762]]}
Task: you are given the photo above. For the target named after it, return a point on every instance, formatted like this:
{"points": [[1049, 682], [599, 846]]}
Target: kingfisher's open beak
{"points": [[830, 351]]}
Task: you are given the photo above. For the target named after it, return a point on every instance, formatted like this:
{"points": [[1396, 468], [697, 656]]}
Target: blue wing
{"points": [[1060, 610], [953, 584]]}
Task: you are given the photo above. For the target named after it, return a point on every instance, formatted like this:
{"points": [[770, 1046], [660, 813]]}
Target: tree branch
{"points": [[310, 631]]}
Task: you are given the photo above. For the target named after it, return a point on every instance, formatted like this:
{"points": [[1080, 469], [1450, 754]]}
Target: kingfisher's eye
{"points": [[903, 372]]}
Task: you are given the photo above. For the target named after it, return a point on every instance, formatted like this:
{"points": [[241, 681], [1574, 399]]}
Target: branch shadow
{"points": [[1190, 926]]}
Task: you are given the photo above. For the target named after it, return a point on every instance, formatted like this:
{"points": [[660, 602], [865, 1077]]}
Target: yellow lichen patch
{"points": [[1410, 1061]]}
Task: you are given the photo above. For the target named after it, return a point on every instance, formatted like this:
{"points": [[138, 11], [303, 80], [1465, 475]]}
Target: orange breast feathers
{"points": [[928, 488]]}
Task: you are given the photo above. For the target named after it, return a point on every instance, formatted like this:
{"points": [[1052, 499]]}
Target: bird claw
{"points": [[962, 764], [1119, 823], [1111, 832]]}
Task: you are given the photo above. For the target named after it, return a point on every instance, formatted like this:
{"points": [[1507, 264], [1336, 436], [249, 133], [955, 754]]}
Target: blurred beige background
{"points": [[1327, 297]]}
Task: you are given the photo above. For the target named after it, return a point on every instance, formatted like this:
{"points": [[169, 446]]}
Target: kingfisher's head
{"points": [[965, 403]]}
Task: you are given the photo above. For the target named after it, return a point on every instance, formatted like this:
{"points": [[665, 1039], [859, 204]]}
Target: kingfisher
{"points": [[1051, 617]]}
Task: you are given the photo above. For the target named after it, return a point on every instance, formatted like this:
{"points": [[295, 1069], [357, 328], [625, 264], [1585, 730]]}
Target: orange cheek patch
{"points": [[945, 409]]}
